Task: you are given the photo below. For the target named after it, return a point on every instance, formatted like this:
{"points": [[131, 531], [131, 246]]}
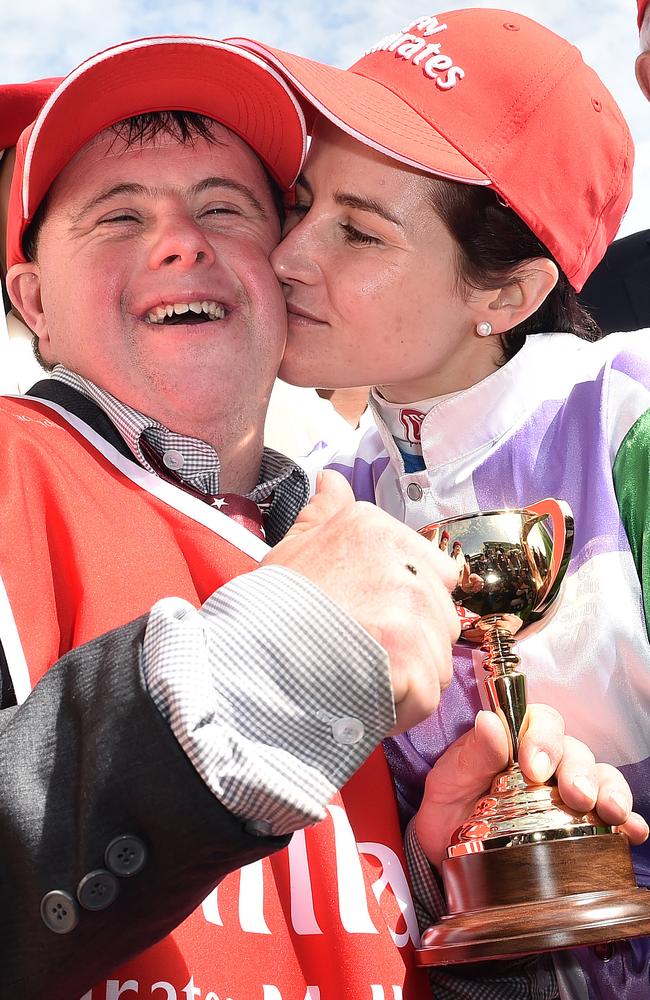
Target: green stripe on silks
{"points": [[632, 485]]}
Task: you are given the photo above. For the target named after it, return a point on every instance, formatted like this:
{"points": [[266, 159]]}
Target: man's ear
{"points": [[525, 291], [24, 288], [642, 69]]}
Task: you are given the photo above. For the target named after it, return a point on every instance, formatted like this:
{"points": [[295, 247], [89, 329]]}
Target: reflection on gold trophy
{"points": [[524, 873]]}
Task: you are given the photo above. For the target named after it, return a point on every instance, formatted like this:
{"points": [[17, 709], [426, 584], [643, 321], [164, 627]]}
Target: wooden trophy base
{"points": [[537, 897]]}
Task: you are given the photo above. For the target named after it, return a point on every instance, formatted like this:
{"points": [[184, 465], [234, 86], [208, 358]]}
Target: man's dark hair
{"points": [[140, 130], [491, 241]]}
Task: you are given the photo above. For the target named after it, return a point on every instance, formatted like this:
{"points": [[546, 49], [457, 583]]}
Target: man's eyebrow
{"points": [[117, 189], [210, 183], [366, 205], [141, 190]]}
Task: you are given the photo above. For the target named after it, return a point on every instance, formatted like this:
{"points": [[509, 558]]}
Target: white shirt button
{"points": [[347, 730], [173, 459], [414, 491]]}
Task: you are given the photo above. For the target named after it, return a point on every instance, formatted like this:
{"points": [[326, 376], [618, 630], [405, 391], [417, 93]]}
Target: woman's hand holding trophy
{"points": [[542, 861]]}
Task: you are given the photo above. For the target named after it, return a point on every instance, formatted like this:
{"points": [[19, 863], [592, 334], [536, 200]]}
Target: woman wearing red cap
{"points": [[466, 176]]}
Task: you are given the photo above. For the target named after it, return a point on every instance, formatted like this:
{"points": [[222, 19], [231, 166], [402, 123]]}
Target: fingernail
{"points": [[585, 785], [541, 766]]}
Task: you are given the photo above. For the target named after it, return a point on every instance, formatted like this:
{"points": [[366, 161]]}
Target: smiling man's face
{"points": [[152, 277]]}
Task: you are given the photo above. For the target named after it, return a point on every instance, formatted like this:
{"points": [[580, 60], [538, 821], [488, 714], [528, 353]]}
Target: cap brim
{"points": [[372, 113], [181, 73]]}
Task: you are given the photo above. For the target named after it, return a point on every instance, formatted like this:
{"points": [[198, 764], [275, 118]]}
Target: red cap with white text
{"points": [[19, 105], [170, 72], [489, 97]]}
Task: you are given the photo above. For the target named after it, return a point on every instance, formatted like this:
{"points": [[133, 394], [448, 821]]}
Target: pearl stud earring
{"points": [[484, 329]]}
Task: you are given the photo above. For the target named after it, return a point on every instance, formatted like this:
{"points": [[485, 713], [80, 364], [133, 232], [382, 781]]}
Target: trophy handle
{"points": [[563, 531]]}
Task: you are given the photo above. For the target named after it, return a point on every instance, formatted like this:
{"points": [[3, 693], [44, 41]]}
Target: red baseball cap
{"points": [[489, 97], [642, 7], [169, 72], [19, 105]]}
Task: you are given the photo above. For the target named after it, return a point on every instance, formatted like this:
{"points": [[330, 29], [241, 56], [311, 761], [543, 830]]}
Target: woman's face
{"points": [[369, 276]]}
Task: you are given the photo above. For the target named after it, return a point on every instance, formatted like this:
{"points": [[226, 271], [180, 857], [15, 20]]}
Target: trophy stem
{"points": [[506, 686]]}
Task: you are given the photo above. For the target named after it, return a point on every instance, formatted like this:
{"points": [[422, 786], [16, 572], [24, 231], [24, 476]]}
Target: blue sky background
{"points": [[49, 37]]}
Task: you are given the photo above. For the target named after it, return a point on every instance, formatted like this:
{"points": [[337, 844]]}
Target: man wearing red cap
{"points": [[19, 105], [185, 743]]}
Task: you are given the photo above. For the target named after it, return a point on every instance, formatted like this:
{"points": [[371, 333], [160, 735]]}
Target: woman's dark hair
{"points": [[491, 242]]}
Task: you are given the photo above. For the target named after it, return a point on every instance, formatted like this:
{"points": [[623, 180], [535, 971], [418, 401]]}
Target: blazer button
{"points": [[59, 911], [97, 890], [125, 855]]}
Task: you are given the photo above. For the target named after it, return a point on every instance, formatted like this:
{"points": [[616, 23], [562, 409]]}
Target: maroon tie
{"points": [[241, 509]]}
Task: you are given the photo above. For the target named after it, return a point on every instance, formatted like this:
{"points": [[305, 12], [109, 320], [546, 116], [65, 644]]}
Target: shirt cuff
{"points": [[275, 694], [428, 893]]}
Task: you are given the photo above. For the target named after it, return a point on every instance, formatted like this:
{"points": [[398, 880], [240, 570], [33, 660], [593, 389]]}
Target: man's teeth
{"points": [[213, 310]]}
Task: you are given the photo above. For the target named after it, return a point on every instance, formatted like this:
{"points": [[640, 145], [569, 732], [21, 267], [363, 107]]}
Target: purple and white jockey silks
{"points": [[549, 423]]}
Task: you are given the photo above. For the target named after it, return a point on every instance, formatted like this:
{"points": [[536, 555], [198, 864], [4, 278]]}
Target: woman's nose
{"points": [[294, 258]]}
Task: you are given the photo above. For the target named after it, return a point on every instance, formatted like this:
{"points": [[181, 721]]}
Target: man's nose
{"points": [[180, 243]]}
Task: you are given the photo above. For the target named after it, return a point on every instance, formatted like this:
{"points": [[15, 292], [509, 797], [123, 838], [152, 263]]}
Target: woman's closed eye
{"points": [[355, 237]]}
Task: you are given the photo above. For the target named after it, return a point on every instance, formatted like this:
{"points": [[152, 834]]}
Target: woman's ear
{"points": [[24, 288], [527, 288]]}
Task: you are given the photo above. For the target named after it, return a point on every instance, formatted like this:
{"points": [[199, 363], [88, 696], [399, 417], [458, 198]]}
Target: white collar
{"points": [[467, 421]]}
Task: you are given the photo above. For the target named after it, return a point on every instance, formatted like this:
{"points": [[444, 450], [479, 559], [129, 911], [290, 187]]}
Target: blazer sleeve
{"points": [[85, 759]]}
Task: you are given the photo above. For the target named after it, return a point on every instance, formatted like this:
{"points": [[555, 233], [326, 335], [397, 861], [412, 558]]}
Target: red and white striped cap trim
{"points": [[164, 73]]}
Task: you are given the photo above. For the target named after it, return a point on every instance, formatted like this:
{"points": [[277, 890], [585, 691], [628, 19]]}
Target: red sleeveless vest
{"points": [[92, 541]]}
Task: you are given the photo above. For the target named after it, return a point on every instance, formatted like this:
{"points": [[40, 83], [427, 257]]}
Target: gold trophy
{"points": [[523, 873]]}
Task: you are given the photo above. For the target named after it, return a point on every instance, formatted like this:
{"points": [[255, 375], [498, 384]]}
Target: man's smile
{"points": [[174, 313]]}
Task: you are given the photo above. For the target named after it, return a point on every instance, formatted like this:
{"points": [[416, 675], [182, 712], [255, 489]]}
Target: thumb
{"points": [[458, 778], [333, 494]]}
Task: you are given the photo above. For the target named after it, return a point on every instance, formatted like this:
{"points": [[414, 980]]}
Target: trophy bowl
{"points": [[524, 873]]}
